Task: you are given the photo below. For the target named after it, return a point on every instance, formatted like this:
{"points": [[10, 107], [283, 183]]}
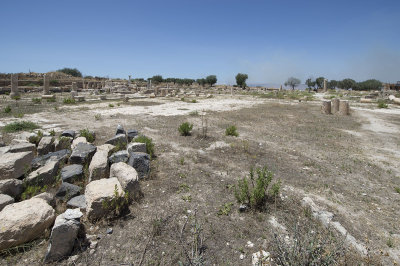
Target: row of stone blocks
{"points": [[336, 106]]}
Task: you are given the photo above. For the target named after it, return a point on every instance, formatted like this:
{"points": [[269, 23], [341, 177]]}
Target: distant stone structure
{"points": [[344, 108], [14, 86], [46, 85], [335, 105], [326, 107], [325, 85]]}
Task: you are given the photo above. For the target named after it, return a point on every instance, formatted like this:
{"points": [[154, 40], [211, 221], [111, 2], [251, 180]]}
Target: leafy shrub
{"points": [[149, 144], [111, 105], [36, 139], [194, 101], [118, 203], [20, 126], [19, 115], [97, 117], [7, 109], [231, 131], [51, 100], [253, 191], [71, 71], [37, 100], [17, 98], [185, 129], [382, 104], [52, 132], [90, 137], [69, 100], [225, 209], [31, 191]]}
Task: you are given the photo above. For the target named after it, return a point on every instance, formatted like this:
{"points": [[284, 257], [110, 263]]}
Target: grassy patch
{"points": [[225, 209], [20, 126], [185, 129], [90, 137], [69, 100], [231, 131]]}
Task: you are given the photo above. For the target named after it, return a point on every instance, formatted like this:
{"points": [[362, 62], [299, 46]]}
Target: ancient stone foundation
{"points": [[326, 107]]}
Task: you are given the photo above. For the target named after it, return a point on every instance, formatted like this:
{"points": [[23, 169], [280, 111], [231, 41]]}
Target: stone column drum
{"points": [[326, 107], [14, 86], [344, 108], [46, 85], [335, 105]]}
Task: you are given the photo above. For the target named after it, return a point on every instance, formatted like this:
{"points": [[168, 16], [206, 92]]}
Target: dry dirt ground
{"points": [[347, 165]]}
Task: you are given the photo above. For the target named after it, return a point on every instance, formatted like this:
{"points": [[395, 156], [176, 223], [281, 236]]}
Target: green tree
{"points": [[347, 84], [370, 84], [319, 82], [212, 79], [71, 71], [332, 84], [310, 84], [201, 82], [241, 80], [292, 82], [157, 79]]}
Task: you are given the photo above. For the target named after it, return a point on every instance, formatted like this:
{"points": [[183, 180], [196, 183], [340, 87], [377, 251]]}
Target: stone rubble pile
{"points": [[112, 170]]}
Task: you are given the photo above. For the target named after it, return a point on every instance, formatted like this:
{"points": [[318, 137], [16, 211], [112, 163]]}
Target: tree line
{"points": [[370, 84]]}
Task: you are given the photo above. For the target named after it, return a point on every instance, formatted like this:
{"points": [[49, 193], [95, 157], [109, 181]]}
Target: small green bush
{"points": [[90, 137], [149, 144], [117, 204], [51, 100], [37, 100], [231, 131], [185, 129], [69, 100], [382, 104], [36, 139], [20, 126], [31, 191], [111, 105], [52, 132], [225, 209], [253, 191], [194, 113], [194, 101], [19, 115], [7, 109]]}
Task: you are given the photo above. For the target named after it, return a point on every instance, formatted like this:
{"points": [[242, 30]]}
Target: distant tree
{"points": [[88, 77], [212, 79], [319, 82], [169, 80], [241, 80], [71, 71], [310, 84], [332, 84], [157, 79], [201, 82], [347, 84], [188, 82], [292, 82], [370, 84]]}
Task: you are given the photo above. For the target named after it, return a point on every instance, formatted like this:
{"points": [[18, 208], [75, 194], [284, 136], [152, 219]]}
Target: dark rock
{"points": [[120, 130], [71, 173], [45, 145], [132, 134], [109, 231], [119, 156], [68, 191], [77, 202], [243, 208], [82, 153], [141, 162], [119, 139], [58, 155], [11, 187], [68, 133]]}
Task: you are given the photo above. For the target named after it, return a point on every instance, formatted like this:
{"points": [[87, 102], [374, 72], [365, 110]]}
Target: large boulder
{"points": [[24, 221], [106, 147], [62, 143], [11, 187], [71, 173], [118, 140], [141, 162], [68, 133], [45, 175], [48, 197], [131, 134], [119, 156], [5, 200], [78, 140], [68, 191], [77, 202], [98, 191], [60, 156], [63, 235], [136, 147], [45, 145], [82, 153], [22, 146], [14, 165], [99, 167], [127, 177]]}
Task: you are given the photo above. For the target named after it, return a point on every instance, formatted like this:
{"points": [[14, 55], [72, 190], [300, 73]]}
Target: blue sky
{"points": [[268, 40]]}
